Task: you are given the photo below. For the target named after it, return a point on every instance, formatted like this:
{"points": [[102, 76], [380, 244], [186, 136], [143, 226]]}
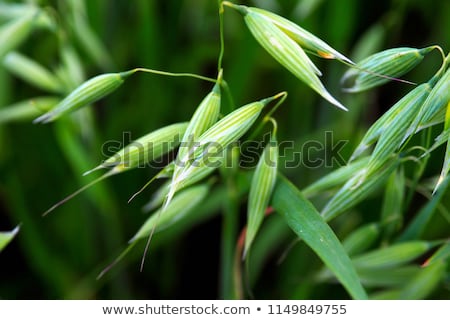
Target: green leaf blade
{"points": [[306, 222], [361, 239], [392, 256], [446, 165], [442, 254], [423, 284], [418, 225]]}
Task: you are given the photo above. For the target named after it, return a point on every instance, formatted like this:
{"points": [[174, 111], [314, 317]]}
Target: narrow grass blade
{"points": [[391, 138], [392, 278], [15, 11], [392, 256], [306, 222], [395, 277], [442, 254], [423, 284], [87, 93], [305, 39], [16, 31], [420, 222], [32, 72], [286, 51], [357, 189], [386, 295], [183, 203], [6, 237], [261, 189], [305, 8], [90, 42], [9, 11], [335, 178], [393, 200], [361, 239], [446, 166], [392, 63], [369, 42], [28, 109], [72, 66]]}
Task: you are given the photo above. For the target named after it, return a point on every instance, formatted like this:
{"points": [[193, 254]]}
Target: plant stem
{"points": [[268, 116], [426, 140], [230, 99], [173, 74], [229, 237], [231, 210], [222, 41]]}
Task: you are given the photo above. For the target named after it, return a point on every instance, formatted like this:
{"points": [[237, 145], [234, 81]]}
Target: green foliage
{"points": [[307, 223], [367, 206]]}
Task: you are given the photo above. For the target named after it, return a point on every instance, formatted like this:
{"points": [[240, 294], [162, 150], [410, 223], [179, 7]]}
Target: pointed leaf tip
{"points": [[303, 218]]}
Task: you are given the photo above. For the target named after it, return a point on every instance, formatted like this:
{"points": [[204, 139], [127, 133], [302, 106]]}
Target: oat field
{"points": [[217, 149]]}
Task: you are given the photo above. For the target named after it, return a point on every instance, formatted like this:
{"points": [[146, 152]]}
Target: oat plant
{"points": [[211, 153]]}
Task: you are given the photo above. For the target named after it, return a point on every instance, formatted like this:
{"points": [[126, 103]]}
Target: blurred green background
{"points": [[59, 256]]}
